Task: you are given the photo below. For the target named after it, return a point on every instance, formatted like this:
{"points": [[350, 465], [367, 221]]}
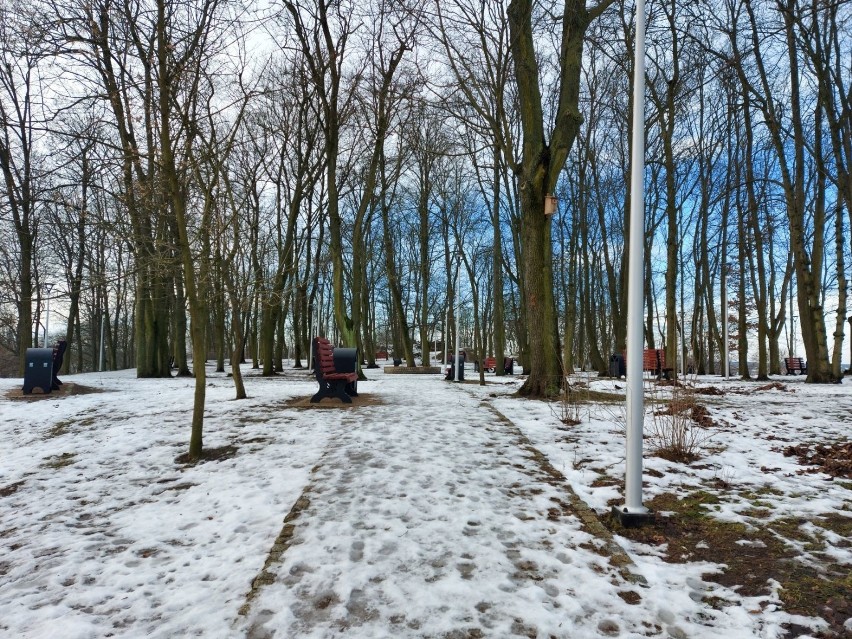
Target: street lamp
{"points": [[633, 512], [49, 288]]}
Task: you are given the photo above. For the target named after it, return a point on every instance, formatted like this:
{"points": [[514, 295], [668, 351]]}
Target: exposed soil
{"points": [[363, 399], [208, 454], [578, 394], [834, 459], [697, 412], [11, 489], [710, 390], [774, 386], [752, 556], [67, 389]]}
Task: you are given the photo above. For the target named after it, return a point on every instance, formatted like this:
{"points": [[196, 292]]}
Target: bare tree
{"points": [[22, 48], [542, 159], [806, 234]]}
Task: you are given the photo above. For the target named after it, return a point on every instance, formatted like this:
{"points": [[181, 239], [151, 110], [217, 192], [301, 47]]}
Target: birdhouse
{"points": [[550, 203]]}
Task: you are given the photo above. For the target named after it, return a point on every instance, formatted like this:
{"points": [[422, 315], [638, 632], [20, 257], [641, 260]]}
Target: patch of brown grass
{"points": [[832, 459], [774, 386], [750, 556], [59, 461], [710, 390], [582, 395]]}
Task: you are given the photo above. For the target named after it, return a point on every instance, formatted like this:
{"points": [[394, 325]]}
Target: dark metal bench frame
{"points": [[793, 364], [58, 358], [332, 383]]}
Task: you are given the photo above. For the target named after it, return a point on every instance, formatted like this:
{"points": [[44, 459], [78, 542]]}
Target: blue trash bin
{"points": [[38, 370]]}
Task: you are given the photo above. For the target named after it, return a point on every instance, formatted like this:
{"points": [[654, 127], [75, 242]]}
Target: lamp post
{"points": [[49, 288], [633, 512]]}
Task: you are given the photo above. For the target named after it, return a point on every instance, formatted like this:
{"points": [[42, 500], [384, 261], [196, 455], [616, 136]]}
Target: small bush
{"points": [[679, 431]]}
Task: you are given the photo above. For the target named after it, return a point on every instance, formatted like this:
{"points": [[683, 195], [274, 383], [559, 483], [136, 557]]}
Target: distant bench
{"points": [[333, 382], [490, 365], [795, 365], [654, 361]]}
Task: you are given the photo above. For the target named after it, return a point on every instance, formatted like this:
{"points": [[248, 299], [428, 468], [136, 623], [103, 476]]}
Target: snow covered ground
{"points": [[419, 514]]}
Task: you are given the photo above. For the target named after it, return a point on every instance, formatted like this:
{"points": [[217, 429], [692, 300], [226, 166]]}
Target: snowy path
{"points": [[431, 521]]}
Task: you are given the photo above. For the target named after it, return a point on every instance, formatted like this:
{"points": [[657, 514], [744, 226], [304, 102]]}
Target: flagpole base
{"points": [[632, 517]]}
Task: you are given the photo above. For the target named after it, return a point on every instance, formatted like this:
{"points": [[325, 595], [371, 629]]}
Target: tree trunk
{"points": [[499, 332], [541, 164]]}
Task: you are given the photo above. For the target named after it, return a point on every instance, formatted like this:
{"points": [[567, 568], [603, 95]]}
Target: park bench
{"points": [[58, 358], [332, 382], [795, 365], [489, 365], [654, 361]]}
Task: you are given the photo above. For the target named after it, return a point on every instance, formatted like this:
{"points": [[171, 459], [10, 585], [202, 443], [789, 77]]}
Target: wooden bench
{"points": [[332, 383], [654, 361], [795, 365]]}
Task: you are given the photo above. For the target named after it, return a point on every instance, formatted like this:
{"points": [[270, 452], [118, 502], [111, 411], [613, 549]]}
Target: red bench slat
{"points": [[793, 364]]}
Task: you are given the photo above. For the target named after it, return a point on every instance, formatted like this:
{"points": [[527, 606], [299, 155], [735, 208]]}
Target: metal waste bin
{"points": [[345, 361], [460, 365], [617, 366], [452, 362], [38, 370]]}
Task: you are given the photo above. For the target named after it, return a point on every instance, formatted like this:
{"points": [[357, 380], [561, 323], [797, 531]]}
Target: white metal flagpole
{"points": [[633, 511], [446, 325], [725, 356], [457, 359]]}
